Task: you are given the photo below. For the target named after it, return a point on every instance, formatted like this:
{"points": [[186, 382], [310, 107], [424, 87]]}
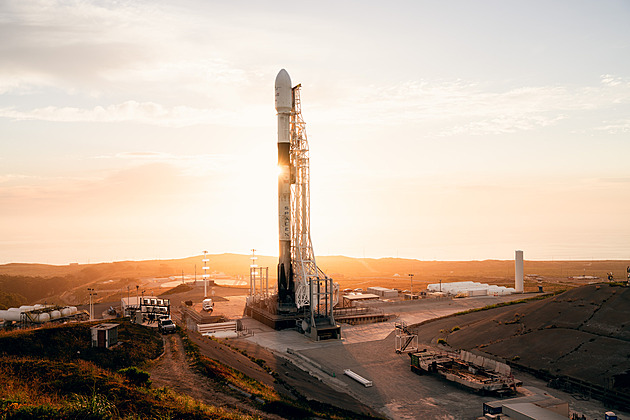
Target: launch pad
{"points": [[320, 329], [305, 295]]}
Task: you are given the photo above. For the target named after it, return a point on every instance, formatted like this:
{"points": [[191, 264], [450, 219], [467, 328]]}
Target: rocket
{"points": [[284, 106]]}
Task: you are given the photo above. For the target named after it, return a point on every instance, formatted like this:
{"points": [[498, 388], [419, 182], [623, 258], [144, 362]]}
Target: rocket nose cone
{"points": [[283, 92], [283, 79]]}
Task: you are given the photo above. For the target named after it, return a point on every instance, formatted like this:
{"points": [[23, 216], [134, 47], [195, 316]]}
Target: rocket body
{"points": [[284, 105]]}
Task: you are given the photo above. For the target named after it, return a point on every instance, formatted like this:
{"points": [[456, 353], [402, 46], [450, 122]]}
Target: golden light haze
{"points": [[459, 131]]}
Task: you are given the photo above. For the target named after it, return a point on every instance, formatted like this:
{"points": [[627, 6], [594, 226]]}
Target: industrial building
{"points": [[470, 288], [383, 292], [145, 307], [536, 397]]}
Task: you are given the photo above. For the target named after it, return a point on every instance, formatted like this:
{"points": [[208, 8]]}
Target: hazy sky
{"points": [[450, 130]]}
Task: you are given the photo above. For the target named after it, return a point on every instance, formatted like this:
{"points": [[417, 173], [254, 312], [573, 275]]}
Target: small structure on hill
{"points": [[104, 335]]}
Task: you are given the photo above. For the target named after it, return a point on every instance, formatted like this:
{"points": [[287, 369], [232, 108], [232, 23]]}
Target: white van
{"points": [[207, 305]]}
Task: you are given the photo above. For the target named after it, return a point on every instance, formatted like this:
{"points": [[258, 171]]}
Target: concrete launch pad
{"points": [[275, 321]]}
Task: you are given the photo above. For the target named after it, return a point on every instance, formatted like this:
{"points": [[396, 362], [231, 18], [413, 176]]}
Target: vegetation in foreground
{"points": [[54, 373]]}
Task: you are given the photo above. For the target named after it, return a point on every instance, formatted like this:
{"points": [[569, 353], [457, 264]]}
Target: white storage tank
{"points": [[43, 317], [73, 309], [66, 311], [10, 315], [26, 308], [55, 315]]}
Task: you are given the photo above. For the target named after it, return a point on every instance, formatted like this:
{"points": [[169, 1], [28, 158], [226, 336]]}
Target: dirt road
{"points": [[173, 371]]}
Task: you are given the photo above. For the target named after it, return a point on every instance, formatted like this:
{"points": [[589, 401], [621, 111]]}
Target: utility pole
{"points": [[411, 277], [205, 276]]}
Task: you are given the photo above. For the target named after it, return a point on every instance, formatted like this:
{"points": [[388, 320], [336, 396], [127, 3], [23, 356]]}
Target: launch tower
{"points": [[306, 294]]}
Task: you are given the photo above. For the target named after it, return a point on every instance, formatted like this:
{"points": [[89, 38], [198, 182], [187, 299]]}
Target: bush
{"points": [[455, 328], [32, 412], [441, 341], [136, 376]]}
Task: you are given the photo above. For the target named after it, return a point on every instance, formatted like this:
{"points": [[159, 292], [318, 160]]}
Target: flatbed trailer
{"points": [[476, 373]]}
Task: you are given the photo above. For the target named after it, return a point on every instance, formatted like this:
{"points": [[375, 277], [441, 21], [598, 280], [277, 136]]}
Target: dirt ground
{"points": [[172, 370]]}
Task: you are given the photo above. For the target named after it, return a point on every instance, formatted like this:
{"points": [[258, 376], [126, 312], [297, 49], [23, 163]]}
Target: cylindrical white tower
{"points": [[518, 271]]}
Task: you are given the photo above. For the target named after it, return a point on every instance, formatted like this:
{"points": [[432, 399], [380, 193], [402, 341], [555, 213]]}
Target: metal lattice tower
{"points": [[312, 286], [302, 256]]}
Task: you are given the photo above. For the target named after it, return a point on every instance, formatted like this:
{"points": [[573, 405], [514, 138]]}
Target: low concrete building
{"points": [[536, 397], [529, 411], [383, 292], [351, 298]]}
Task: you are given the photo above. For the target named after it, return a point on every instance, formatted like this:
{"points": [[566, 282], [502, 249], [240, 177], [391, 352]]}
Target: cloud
{"points": [[141, 112], [102, 49], [459, 107], [615, 127]]}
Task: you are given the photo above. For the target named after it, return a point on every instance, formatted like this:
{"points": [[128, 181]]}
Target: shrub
{"points": [[95, 406], [441, 341], [136, 376], [32, 412], [455, 328]]}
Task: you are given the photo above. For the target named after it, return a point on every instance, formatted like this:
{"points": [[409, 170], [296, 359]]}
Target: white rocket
{"points": [[284, 105]]}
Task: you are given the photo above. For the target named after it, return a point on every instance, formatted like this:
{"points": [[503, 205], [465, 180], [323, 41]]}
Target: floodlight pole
{"points": [[411, 277]]}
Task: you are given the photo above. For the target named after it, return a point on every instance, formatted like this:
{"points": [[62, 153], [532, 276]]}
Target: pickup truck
{"points": [[166, 326]]}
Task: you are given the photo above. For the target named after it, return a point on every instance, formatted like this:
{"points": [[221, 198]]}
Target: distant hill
{"points": [[237, 264], [53, 283]]}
